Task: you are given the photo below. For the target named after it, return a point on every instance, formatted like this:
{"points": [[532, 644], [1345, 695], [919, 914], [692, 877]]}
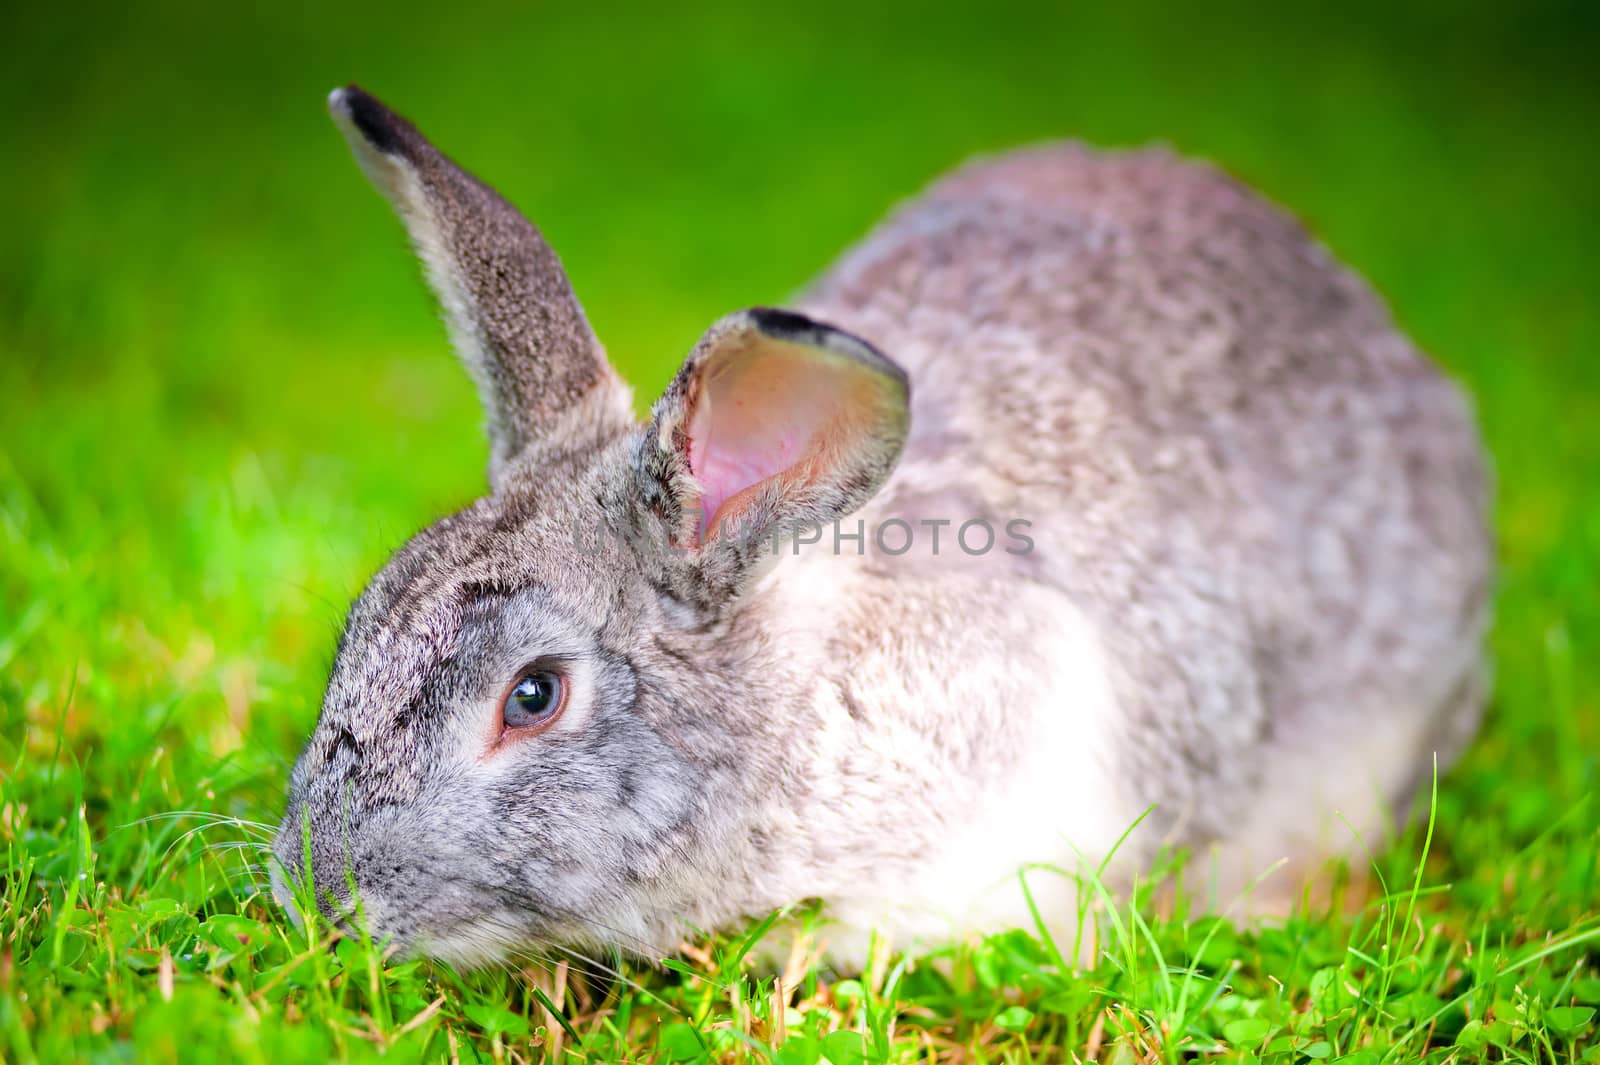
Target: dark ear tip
{"points": [[798, 329], [781, 324], [380, 126]]}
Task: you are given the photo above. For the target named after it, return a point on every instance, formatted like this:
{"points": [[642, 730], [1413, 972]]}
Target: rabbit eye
{"points": [[534, 701]]}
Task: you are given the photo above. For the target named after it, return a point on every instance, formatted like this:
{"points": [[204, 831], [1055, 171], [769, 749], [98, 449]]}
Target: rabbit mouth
{"points": [[501, 934], [475, 942]]}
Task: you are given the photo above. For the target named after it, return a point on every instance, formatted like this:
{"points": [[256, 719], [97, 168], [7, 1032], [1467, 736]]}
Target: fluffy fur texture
{"points": [[1255, 597]]}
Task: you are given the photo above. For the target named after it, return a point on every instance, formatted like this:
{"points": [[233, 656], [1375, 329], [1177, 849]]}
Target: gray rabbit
{"points": [[1087, 486]]}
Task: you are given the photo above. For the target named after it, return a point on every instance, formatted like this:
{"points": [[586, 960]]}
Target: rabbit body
{"points": [[1246, 592], [1259, 582]]}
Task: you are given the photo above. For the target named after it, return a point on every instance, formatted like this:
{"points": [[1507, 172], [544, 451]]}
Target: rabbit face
{"points": [[537, 722], [461, 825]]}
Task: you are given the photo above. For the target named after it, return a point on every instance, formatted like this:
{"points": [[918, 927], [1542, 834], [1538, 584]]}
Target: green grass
{"points": [[223, 398]]}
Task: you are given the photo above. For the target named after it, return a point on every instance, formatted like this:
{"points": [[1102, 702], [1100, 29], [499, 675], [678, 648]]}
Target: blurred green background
{"points": [[224, 393]]}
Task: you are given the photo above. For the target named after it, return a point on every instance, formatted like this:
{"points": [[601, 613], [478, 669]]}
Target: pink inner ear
{"points": [[771, 410]]}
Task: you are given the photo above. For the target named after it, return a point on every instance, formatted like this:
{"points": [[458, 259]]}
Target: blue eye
{"points": [[534, 701]]}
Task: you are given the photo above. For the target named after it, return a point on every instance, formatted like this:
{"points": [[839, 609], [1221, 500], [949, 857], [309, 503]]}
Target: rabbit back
{"points": [[1269, 506]]}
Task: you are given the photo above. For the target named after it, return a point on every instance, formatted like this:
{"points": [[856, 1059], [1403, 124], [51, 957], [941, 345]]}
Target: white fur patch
{"points": [[1059, 809]]}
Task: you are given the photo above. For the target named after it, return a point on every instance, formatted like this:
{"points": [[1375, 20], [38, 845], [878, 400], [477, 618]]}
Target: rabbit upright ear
{"points": [[776, 422], [511, 311]]}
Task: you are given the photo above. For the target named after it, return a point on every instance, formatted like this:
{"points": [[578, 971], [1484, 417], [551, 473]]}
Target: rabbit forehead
{"points": [[498, 545], [464, 601]]}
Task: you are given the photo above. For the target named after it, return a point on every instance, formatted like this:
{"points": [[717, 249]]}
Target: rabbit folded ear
{"points": [[776, 422], [511, 311]]}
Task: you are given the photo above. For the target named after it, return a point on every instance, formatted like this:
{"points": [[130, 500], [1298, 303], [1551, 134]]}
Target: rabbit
{"points": [[1087, 492]]}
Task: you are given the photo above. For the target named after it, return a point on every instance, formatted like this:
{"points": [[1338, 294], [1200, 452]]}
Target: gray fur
{"points": [[1265, 506], [510, 308]]}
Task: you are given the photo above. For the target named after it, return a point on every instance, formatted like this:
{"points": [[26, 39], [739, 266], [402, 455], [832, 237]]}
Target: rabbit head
{"points": [[547, 710]]}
